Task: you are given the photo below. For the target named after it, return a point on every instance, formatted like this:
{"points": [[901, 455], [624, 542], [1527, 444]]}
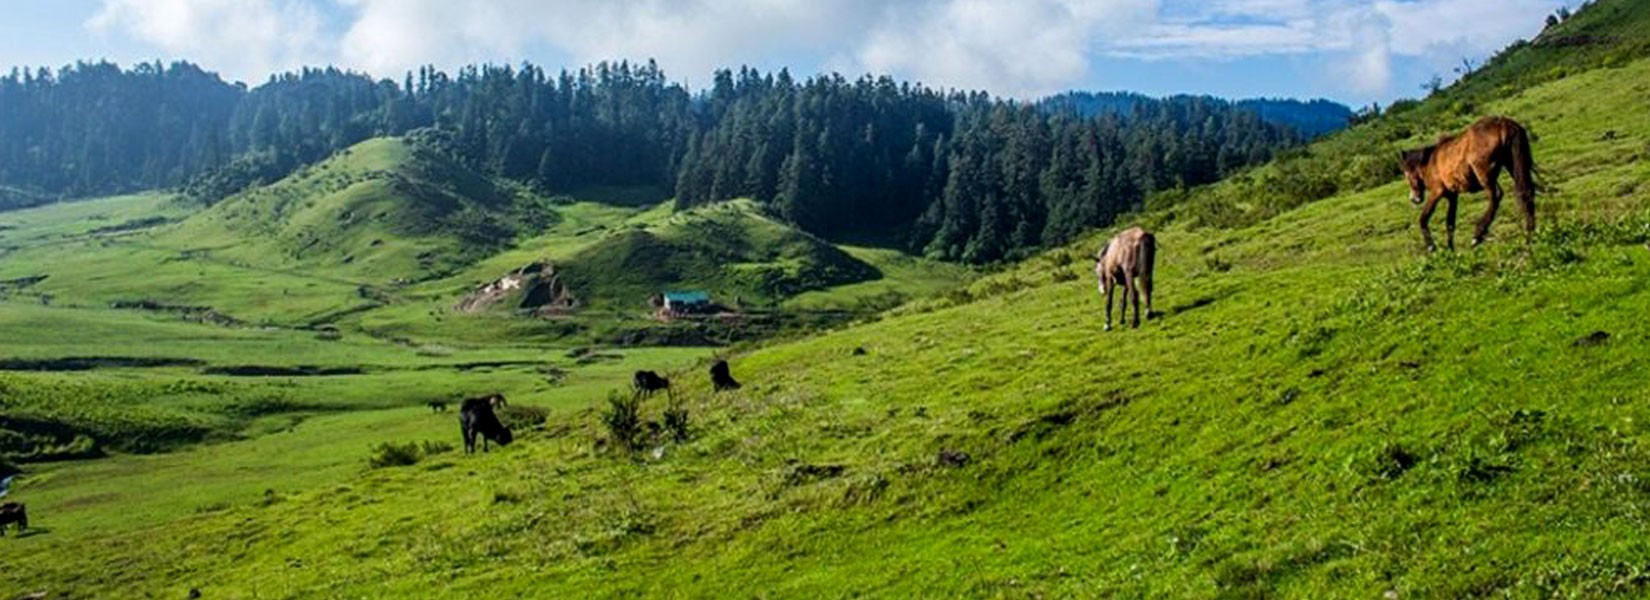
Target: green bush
{"points": [[391, 454], [676, 422], [522, 417], [623, 419]]}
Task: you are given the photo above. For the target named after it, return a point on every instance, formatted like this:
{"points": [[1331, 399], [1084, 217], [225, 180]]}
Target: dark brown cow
{"points": [[13, 512], [648, 382], [477, 416], [1469, 162], [721, 377]]}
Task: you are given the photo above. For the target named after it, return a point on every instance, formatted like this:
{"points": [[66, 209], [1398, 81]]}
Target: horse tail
{"points": [[1146, 261], [1524, 175], [1148, 254]]}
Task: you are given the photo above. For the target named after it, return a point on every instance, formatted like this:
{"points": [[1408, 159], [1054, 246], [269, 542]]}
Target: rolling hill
{"points": [[1323, 411], [390, 232]]}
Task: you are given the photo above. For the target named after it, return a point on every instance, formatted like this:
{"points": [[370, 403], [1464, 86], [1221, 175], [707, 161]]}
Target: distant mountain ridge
{"points": [[1312, 118]]}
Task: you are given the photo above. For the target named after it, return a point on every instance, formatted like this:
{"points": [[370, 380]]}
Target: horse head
{"points": [[1413, 163]]}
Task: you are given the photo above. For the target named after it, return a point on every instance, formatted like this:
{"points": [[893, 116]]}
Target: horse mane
{"points": [[1419, 157]]}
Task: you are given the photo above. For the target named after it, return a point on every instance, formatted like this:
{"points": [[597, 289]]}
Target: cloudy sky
{"points": [[1354, 51]]}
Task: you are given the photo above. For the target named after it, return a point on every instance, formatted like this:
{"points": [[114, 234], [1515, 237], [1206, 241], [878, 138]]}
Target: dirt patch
{"points": [[132, 225], [87, 363], [1068, 413], [21, 282], [199, 314], [274, 371], [89, 500]]}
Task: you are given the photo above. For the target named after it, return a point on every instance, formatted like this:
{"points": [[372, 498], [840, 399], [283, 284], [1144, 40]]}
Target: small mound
{"points": [[388, 209], [729, 250]]}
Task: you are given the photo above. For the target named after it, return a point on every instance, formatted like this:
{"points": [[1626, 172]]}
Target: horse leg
{"points": [[1131, 289], [1109, 288], [1494, 190], [1526, 204], [1449, 219], [1426, 217], [1146, 282]]}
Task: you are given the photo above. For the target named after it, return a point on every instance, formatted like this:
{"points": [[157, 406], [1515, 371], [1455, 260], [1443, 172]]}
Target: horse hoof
{"points": [[1107, 327]]}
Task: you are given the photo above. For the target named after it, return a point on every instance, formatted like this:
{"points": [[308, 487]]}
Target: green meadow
{"points": [[1320, 409]]}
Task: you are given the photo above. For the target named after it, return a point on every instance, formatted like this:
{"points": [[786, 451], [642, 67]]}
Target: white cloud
{"points": [[1018, 48], [245, 39], [1015, 47], [689, 38]]}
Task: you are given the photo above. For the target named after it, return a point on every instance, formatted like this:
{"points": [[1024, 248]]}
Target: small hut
{"points": [[692, 302]]}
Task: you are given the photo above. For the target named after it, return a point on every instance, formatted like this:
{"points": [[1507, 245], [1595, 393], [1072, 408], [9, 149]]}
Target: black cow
{"points": [[721, 378], [648, 382], [476, 416], [437, 405], [13, 512]]}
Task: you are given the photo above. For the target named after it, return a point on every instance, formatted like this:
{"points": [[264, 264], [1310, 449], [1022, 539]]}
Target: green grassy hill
{"points": [[385, 210], [388, 236], [1323, 411], [729, 249]]}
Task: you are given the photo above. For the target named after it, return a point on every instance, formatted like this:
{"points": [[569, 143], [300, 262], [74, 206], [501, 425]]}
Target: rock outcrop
{"points": [[535, 289]]}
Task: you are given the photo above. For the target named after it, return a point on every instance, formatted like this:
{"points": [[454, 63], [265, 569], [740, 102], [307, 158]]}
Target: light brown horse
{"points": [[1469, 162], [1128, 259]]}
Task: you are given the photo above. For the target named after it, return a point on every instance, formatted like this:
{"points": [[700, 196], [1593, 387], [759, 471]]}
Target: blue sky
{"points": [[1353, 51]]}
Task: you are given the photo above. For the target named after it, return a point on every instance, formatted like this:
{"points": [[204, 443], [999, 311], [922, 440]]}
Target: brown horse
{"points": [[1127, 258], [1470, 162]]}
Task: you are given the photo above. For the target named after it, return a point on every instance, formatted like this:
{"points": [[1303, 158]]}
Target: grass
{"points": [[1323, 411], [376, 241]]}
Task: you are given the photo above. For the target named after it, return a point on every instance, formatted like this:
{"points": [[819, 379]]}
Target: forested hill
{"points": [[954, 175], [1313, 118]]}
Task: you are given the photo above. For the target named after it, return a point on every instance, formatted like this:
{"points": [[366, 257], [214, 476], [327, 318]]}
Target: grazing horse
{"points": [[477, 415], [13, 512], [1128, 259], [648, 382], [721, 378], [1470, 162]]}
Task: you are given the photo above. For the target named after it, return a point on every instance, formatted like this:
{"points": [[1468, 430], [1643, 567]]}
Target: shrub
{"points": [[676, 422], [623, 419], [390, 454], [522, 417]]}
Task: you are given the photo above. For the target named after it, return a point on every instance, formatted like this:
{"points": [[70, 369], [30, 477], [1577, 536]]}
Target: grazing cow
{"points": [[476, 415], [13, 512], [1128, 259], [721, 378], [647, 382], [1469, 162], [437, 405]]}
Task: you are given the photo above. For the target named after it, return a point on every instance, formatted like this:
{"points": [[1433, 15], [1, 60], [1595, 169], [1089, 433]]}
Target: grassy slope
{"points": [[350, 241], [1323, 412], [716, 248], [368, 214]]}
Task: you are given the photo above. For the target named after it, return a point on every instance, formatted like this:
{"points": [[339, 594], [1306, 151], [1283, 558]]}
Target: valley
{"points": [[234, 397]]}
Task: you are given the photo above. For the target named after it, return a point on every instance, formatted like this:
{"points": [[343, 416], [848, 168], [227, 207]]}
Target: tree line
{"points": [[955, 175]]}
